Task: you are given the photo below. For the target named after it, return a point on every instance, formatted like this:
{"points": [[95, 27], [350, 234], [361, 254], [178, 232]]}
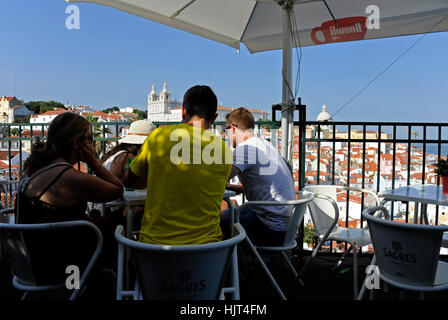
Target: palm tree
{"points": [[101, 131]]}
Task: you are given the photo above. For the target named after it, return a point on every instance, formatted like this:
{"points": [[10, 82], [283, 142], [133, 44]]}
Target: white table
{"points": [[420, 193], [138, 198], [135, 197]]}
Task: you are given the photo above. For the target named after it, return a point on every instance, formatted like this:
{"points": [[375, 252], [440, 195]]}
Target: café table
{"points": [[134, 198], [138, 198], [422, 194]]}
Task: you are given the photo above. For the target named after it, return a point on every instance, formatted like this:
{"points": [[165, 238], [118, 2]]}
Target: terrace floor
{"points": [[321, 283]]}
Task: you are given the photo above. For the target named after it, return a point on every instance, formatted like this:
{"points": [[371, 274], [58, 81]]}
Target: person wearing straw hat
{"points": [[117, 159]]}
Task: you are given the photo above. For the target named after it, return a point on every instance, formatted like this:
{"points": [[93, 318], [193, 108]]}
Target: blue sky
{"points": [[115, 58]]}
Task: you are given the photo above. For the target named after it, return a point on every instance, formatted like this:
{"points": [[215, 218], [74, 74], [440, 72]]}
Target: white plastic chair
{"points": [[324, 213], [187, 272], [16, 252], [408, 254], [298, 208]]}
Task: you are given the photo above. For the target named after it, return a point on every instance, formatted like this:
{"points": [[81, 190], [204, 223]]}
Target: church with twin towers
{"points": [[161, 108]]}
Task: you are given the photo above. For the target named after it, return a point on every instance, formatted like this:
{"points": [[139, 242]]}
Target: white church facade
{"points": [[162, 109]]}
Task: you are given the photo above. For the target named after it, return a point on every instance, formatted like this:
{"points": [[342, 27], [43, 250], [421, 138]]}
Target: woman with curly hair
{"points": [[53, 190]]}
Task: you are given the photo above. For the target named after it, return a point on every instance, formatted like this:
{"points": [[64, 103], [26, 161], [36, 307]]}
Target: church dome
{"points": [[165, 94], [165, 89], [324, 115], [153, 91]]}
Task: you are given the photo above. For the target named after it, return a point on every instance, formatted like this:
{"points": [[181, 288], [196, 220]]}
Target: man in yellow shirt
{"points": [[185, 168]]}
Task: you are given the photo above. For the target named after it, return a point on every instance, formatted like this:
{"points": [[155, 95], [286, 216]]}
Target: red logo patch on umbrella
{"points": [[346, 29]]}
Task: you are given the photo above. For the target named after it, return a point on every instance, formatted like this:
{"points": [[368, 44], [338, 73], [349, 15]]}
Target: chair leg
{"points": [[137, 295], [372, 294], [235, 276], [288, 261], [24, 295], [363, 288], [302, 271], [337, 265], [355, 271], [120, 272], [265, 268]]}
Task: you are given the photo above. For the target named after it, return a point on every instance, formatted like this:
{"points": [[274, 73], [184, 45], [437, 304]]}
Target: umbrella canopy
{"points": [[283, 24], [259, 24]]}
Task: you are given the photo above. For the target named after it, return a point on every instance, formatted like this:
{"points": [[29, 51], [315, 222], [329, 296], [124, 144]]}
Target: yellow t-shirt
{"points": [[187, 170]]}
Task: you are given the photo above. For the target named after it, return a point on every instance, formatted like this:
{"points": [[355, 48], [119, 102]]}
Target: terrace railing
{"points": [[371, 155], [16, 140]]}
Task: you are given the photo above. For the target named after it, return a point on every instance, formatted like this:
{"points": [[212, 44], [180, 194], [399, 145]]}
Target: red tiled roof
{"points": [[9, 98], [4, 154], [36, 133], [53, 112], [6, 166], [99, 113], [313, 173]]}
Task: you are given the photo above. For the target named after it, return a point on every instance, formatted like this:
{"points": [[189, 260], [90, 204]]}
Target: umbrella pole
{"points": [[287, 130]]}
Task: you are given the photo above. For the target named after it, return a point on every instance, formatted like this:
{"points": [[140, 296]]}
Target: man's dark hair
{"points": [[200, 101]]}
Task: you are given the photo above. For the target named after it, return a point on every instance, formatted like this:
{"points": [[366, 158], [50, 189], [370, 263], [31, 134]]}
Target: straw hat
{"points": [[138, 131]]}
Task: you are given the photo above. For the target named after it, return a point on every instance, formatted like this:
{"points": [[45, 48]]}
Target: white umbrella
{"points": [[266, 25]]}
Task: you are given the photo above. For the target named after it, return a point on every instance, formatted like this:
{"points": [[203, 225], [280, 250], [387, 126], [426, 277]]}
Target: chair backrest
{"points": [[187, 272], [405, 253], [21, 244], [6, 215], [321, 210], [296, 219]]}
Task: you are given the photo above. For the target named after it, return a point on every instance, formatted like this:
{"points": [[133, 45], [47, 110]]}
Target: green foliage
{"points": [[114, 108], [91, 118], [15, 132], [141, 115], [308, 234], [442, 167], [23, 119], [43, 106]]}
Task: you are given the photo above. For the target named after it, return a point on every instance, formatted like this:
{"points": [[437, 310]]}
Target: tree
{"points": [[91, 118], [23, 119], [34, 106], [51, 105], [141, 115], [100, 132], [114, 108], [15, 132], [43, 106], [308, 236]]}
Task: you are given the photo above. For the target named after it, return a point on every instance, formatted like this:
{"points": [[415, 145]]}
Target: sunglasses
{"points": [[230, 126]]}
